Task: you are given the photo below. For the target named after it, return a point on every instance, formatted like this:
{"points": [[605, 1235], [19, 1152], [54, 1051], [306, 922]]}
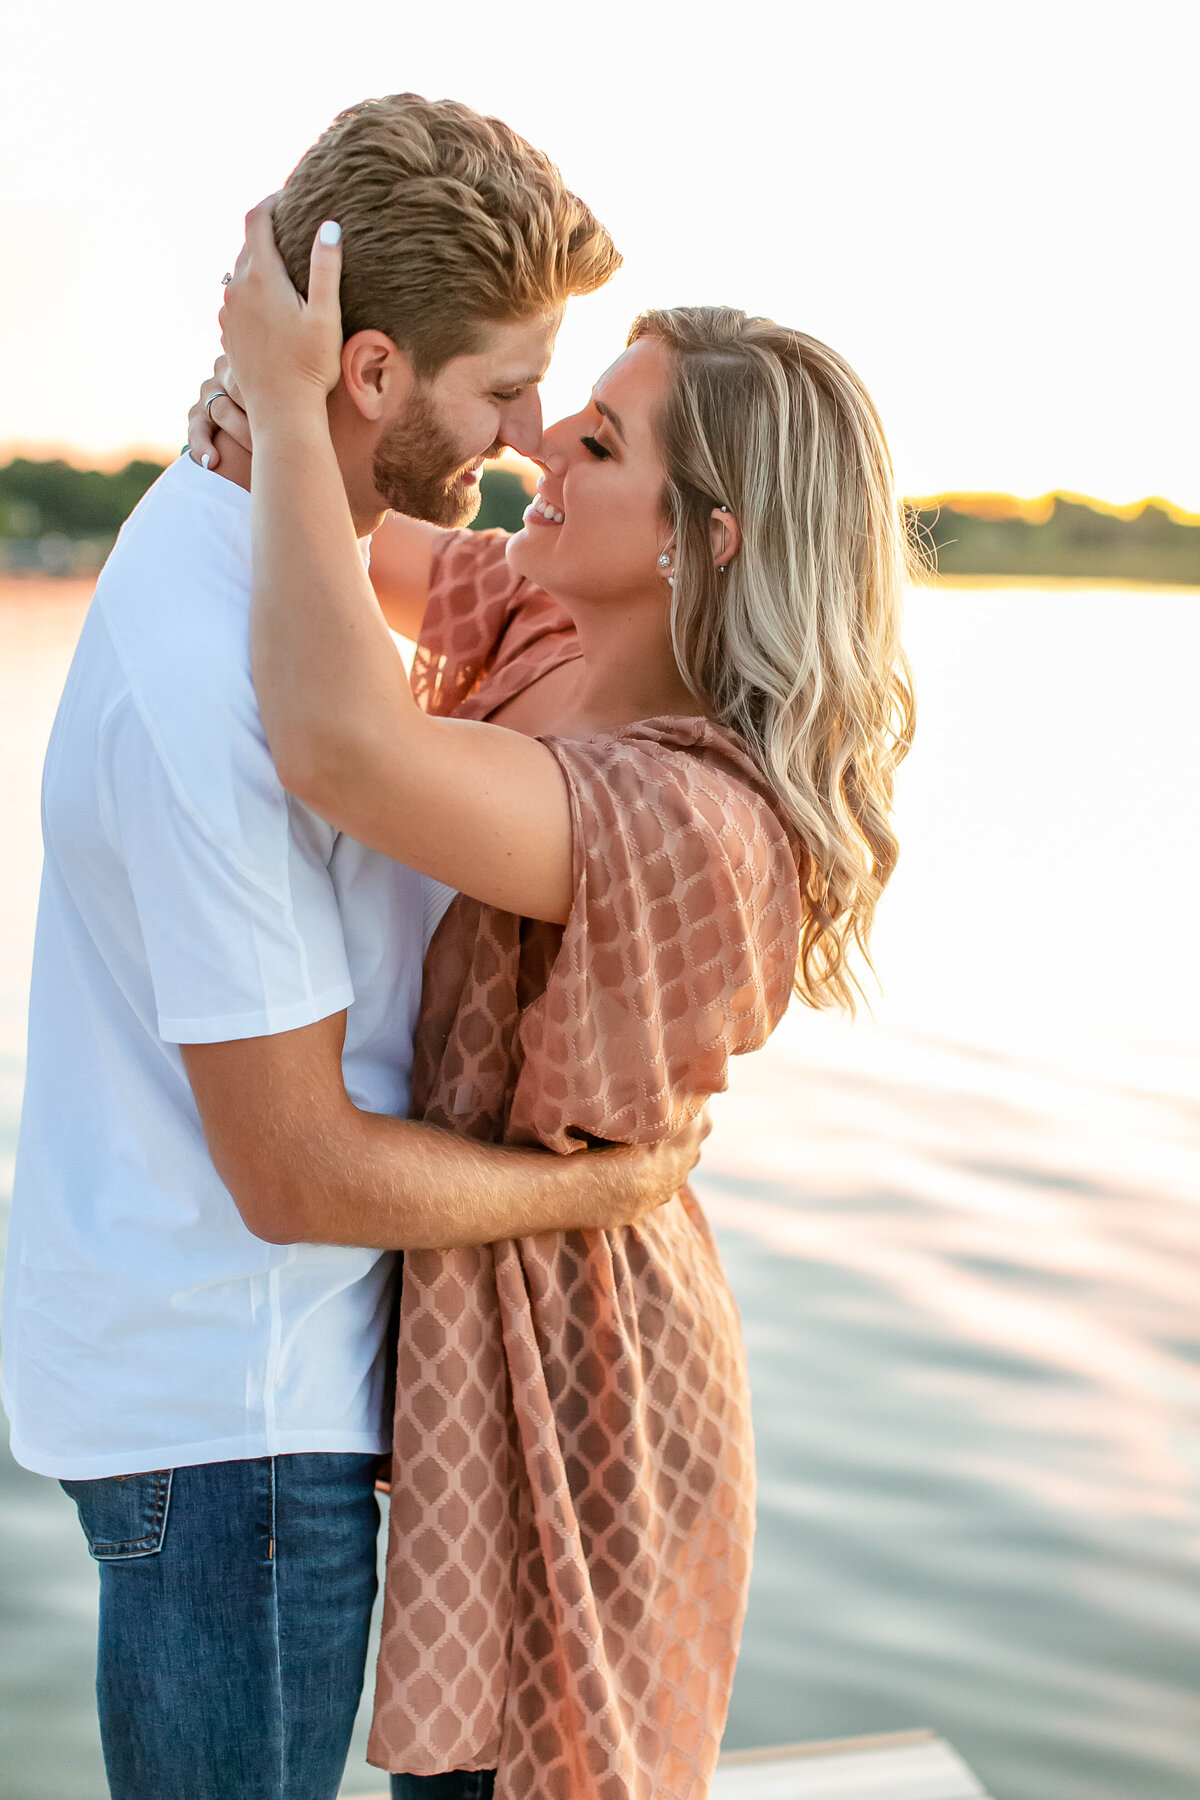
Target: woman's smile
{"points": [[540, 512]]}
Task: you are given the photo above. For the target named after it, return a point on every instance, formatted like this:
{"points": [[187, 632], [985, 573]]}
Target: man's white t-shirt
{"points": [[187, 899]]}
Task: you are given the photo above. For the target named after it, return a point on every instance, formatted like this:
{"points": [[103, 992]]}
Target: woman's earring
{"points": [[664, 561]]}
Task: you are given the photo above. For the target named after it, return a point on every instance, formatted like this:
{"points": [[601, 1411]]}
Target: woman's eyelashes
{"points": [[595, 448]]}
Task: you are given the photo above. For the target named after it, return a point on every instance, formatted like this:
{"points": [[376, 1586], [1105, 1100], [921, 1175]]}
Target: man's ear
{"points": [[376, 374]]}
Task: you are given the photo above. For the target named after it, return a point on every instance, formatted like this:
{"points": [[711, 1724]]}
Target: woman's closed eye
{"points": [[595, 448]]}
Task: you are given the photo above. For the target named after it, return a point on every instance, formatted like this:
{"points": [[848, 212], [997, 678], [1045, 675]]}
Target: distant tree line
{"points": [[38, 498], [44, 503], [41, 497], [982, 534]]}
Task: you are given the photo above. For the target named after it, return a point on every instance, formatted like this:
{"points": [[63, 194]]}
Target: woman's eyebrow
{"points": [[606, 412]]}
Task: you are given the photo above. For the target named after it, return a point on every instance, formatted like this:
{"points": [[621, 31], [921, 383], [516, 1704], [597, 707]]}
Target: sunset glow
{"points": [[988, 211]]}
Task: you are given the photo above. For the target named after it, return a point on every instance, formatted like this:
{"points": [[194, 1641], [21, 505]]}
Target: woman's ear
{"points": [[726, 536], [376, 374]]}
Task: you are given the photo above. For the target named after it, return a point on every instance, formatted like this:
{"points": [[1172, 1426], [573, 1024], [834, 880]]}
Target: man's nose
{"points": [[521, 424]]}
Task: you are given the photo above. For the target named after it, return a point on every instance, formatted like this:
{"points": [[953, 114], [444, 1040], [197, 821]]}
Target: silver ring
{"points": [[226, 279], [208, 404]]}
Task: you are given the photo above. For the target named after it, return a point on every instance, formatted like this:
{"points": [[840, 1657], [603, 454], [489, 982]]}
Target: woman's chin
{"points": [[521, 554]]}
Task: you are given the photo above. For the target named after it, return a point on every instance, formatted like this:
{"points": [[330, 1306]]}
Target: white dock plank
{"points": [[902, 1765], [911, 1765]]}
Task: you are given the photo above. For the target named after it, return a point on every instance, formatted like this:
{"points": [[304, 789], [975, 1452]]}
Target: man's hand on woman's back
{"points": [[657, 1171]]}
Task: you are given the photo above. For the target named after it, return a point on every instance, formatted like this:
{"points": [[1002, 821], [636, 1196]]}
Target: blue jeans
{"points": [[235, 1604]]}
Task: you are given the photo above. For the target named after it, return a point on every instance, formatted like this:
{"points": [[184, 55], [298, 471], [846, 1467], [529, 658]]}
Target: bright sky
{"points": [[991, 210]]}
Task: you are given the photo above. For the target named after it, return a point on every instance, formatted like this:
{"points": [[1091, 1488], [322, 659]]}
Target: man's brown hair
{"points": [[450, 222]]}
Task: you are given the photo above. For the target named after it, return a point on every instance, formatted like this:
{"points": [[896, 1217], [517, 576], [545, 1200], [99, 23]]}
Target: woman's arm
{"points": [[478, 807], [305, 1165]]}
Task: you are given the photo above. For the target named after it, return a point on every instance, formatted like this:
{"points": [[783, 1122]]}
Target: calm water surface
{"points": [[965, 1237]]}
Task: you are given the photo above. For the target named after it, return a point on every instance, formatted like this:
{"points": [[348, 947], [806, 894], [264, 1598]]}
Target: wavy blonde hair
{"points": [[796, 646]]}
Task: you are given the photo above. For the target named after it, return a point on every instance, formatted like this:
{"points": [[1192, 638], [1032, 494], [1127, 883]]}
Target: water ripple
{"points": [[975, 1356]]}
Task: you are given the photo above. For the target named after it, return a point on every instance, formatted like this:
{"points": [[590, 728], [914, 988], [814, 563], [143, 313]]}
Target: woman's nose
{"points": [[551, 453], [550, 461]]}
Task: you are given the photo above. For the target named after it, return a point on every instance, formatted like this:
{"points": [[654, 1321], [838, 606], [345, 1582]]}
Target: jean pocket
{"points": [[123, 1516]]}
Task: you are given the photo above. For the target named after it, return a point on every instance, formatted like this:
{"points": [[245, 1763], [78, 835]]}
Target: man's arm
{"points": [[305, 1165]]}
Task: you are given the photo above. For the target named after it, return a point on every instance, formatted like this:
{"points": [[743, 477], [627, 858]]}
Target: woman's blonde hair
{"points": [[796, 646]]}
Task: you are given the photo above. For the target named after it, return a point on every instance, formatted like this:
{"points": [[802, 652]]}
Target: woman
{"points": [[665, 802]]}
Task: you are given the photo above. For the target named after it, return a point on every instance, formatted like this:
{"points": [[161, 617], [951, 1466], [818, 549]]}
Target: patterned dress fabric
{"points": [[573, 1474]]}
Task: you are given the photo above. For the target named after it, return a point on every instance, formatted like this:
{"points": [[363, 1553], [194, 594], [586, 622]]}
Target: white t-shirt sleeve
{"points": [[434, 907], [231, 884]]}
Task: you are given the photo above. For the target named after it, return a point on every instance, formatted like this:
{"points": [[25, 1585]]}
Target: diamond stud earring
{"points": [[664, 561]]}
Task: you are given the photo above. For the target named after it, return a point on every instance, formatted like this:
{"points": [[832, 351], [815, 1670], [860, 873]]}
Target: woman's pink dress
{"points": [[573, 1476]]}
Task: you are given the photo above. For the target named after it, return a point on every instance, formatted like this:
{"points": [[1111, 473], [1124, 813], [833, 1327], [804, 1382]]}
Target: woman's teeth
{"points": [[548, 512]]}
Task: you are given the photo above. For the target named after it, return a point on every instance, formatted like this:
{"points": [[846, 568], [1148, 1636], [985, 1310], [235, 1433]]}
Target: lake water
{"points": [[965, 1237]]}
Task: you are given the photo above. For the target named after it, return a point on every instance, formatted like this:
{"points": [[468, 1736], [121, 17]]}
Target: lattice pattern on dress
{"points": [[487, 633], [572, 1508]]}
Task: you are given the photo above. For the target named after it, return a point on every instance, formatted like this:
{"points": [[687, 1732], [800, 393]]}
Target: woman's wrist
{"points": [[292, 414]]}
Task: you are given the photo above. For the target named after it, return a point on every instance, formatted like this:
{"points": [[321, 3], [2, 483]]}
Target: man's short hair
{"points": [[450, 223]]}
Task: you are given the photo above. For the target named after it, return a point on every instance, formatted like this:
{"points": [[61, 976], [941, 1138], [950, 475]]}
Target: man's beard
{"points": [[417, 464]]}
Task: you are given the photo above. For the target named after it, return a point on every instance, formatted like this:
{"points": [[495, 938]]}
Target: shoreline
{"points": [[1051, 582], [41, 589]]}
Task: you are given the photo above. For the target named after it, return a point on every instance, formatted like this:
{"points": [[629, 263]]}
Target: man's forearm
{"points": [[400, 1185], [305, 1165]]}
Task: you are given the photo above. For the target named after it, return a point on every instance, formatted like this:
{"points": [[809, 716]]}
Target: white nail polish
{"points": [[204, 460], [330, 233]]}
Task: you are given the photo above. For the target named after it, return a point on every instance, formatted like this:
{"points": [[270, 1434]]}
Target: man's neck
{"points": [[234, 464]]}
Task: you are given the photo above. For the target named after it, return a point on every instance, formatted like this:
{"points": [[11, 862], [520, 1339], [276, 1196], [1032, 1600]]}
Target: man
{"points": [[194, 1338]]}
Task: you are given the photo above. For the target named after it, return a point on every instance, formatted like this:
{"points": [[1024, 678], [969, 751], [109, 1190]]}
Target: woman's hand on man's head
{"points": [[286, 348], [217, 413]]}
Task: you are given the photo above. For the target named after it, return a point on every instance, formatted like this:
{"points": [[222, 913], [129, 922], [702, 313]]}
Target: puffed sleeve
{"points": [[680, 950]]}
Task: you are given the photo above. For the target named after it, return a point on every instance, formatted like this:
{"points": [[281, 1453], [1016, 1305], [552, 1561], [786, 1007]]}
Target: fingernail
{"points": [[204, 460], [330, 233]]}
